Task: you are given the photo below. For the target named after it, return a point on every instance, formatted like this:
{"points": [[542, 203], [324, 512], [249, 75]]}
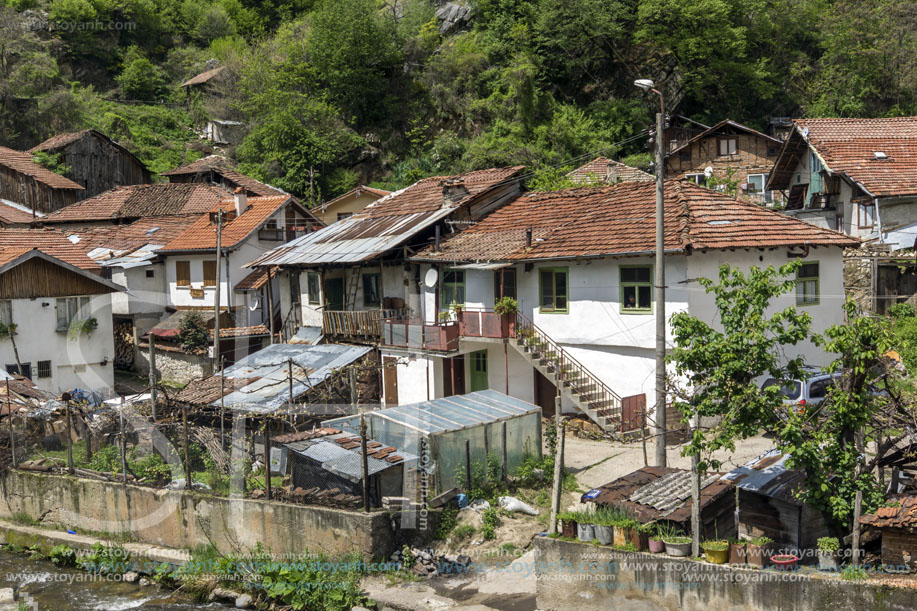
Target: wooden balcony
{"points": [[439, 337], [486, 323], [360, 324]]}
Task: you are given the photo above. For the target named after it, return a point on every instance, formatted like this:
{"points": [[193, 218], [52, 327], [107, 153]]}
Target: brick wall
{"points": [[899, 547]]}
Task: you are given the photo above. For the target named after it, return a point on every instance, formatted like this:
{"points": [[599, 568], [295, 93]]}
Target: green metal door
{"points": [[334, 294], [479, 370]]}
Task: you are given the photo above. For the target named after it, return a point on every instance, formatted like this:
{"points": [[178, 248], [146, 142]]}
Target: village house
{"points": [[55, 310], [348, 204], [341, 280], [724, 155], [33, 186], [95, 161], [250, 226], [219, 170], [608, 171], [858, 176], [580, 264]]}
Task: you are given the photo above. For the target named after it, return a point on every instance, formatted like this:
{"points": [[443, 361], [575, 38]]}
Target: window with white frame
{"points": [[756, 184], [699, 179], [6, 312], [70, 309], [728, 146], [807, 284]]}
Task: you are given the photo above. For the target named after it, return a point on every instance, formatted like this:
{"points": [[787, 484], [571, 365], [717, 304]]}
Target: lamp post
{"points": [[648, 85]]}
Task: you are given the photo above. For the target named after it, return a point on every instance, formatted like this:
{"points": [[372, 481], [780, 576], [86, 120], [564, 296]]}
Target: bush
{"points": [[447, 522], [107, 459], [465, 531], [62, 555], [902, 310], [828, 544], [489, 518], [192, 332]]}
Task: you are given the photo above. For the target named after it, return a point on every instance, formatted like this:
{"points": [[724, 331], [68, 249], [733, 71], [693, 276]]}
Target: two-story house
{"points": [[221, 171], [608, 171], [858, 176], [343, 278], [249, 227], [580, 264], [728, 152], [55, 313], [347, 204]]}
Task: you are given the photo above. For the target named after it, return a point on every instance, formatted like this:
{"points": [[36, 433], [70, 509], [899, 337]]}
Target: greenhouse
{"points": [[450, 433]]}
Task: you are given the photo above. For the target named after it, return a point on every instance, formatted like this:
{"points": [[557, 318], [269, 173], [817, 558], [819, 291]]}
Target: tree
{"points": [[717, 368], [192, 332]]}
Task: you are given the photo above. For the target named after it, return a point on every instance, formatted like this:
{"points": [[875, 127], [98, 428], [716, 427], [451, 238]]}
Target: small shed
{"points": [[898, 526], [329, 459], [451, 432], [663, 495], [768, 504]]}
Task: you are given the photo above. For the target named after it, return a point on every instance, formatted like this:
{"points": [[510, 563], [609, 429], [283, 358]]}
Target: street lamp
{"points": [[649, 85]]}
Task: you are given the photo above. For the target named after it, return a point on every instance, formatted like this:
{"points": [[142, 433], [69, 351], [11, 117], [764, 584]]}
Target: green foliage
{"points": [[140, 79], [52, 161], [63, 555], [489, 519], [720, 367], [828, 544], [506, 305], [7, 330], [80, 326], [899, 311], [463, 532], [854, 573], [447, 522], [106, 459], [759, 541], [192, 333], [715, 546], [106, 559]]}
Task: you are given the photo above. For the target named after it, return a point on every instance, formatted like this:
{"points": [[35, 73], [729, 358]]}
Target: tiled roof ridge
{"points": [[685, 216]]}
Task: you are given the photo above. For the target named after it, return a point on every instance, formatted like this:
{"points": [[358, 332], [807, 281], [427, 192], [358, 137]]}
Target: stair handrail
{"points": [[522, 321], [288, 322]]}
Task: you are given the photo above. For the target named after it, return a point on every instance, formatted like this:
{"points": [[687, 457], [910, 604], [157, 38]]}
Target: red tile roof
{"points": [[202, 235], [225, 168], [848, 146], [620, 220], [158, 230], [607, 170], [427, 195], [11, 214], [720, 128], [22, 163], [256, 279], [16, 242], [903, 516], [138, 201]]}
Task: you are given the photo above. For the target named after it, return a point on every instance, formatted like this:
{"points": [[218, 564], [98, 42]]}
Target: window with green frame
{"points": [[807, 284], [453, 288], [314, 281], [370, 289], [553, 289], [636, 289]]}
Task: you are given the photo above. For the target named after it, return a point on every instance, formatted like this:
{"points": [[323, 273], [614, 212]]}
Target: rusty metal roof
{"points": [[660, 486], [768, 475]]}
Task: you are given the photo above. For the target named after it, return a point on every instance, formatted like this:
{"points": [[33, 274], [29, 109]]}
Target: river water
{"points": [[45, 587]]}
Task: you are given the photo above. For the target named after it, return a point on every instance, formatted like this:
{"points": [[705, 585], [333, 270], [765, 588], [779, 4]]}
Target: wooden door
{"points": [[478, 376], [334, 294], [632, 410], [545, 394], [454, 376], [390, 380], [504, 283]]}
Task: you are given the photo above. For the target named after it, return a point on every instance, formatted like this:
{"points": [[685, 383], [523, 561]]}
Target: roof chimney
{"points": [[241, 201], [454, 190], [528, 237]]}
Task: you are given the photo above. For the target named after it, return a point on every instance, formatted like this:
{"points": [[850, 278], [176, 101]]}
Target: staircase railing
{"points": [[568, 370], [366, 324], [290, 323]]}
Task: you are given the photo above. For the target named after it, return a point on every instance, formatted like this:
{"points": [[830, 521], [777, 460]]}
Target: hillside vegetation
{"points": [[336, 92]]}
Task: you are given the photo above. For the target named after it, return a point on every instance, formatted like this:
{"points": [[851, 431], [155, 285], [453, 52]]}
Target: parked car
{"points": [[810, 391]]}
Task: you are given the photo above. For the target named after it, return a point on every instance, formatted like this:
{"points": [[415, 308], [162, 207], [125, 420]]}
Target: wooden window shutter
{"points": [[210, 273], [183, 273]]}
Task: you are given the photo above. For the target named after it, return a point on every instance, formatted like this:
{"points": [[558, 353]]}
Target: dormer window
{"points": [[880, 156]]}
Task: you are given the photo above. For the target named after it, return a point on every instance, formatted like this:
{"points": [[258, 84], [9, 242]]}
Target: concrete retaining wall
{"points": [[591, 578], [185, 520]]}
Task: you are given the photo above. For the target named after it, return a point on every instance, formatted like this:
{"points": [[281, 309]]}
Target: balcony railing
{"points": [[485, 323], [276, 234], [364, 324], [440, 337]]}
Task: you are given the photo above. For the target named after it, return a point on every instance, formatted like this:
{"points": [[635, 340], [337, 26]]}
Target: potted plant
{"points": [[506, 308], [604, 530], [567, 524], [827, 553], [736, 551], [640, 535], [757, 551], [675, 544], [622, 524], [784, 562], [716, 552], [656, 545], [585, 525]]}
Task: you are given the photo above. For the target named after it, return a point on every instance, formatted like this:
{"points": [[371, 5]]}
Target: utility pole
{"points": [[648, 85], [9, 413], [123, 441], [222, 408], [153, 375], [695, 497], [557, 489], [267, 458], [216, 299], [66, 399]]}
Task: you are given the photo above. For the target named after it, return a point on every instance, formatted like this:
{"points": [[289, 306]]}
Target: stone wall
{"points": [[858, 280], [173, 366], [589, 578], [185, 520]]}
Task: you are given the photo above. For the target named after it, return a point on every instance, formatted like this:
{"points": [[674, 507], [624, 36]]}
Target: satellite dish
{"points": [[256, 303], [430, 278], [708, 171]]}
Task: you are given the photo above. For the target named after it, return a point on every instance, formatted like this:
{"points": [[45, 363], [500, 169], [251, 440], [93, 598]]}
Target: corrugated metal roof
{"points": [[449, 413], [311, 365], [354, 239], [669, 491], [768, 475]]}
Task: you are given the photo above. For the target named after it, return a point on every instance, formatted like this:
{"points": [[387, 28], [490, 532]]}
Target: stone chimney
{"points": [[454, 189], [241, 201]]}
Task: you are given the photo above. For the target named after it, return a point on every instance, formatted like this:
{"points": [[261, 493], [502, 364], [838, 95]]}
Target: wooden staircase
{"points": [[590, 395]]}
